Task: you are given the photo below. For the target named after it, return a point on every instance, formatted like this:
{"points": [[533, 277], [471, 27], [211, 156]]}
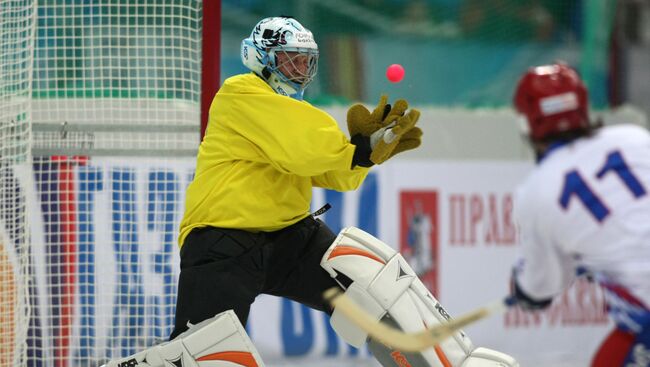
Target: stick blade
{"points": [[399, 340]]}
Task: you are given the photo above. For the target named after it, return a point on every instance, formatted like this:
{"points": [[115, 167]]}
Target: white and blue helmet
{"points": [[281, 38]]}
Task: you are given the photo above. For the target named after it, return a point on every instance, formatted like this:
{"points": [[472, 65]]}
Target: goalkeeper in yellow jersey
{"points": [[247, 228]]}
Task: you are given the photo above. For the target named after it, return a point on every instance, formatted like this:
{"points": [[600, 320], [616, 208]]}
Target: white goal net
{"points": [[99, 124], [16, 49]]}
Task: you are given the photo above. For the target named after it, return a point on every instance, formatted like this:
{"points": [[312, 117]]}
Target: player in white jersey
{"points": [[585, 207]]}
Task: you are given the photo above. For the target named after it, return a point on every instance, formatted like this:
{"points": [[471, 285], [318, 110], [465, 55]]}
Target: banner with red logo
{"points": [[115, 242], [419, 231]]}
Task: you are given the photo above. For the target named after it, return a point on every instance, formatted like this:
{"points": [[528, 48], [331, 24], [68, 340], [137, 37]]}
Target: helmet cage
{"points": [[287, 64]]}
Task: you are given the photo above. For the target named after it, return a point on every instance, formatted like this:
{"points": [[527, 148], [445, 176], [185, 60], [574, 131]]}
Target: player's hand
{"points": [[385, 141], [387, 130], [523, 300]]}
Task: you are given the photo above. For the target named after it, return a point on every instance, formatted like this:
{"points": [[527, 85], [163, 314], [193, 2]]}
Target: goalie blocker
{"points": [[380, 281], [217, 342]]}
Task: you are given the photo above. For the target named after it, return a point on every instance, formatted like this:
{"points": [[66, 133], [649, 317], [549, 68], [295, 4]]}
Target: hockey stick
{"points": [[408, 342]]}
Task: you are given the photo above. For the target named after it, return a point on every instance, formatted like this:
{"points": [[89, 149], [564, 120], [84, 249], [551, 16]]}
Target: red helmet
{"points": [[553, 99]]}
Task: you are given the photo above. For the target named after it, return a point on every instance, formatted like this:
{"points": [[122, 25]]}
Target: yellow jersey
{"points": [[260, 157]]}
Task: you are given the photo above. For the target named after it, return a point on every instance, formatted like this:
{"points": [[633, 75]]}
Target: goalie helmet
{"points": [[283, 53], [553, 99]]}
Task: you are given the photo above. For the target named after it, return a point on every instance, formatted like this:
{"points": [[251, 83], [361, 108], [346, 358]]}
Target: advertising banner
{"points": [[106, 261]]}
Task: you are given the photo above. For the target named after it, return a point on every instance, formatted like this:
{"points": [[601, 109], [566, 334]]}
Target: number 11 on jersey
{"points": [[575, 185]]}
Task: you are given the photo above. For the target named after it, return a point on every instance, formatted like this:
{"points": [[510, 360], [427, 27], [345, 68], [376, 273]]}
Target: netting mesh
{"points": [[106, 255], [117, 76], [94, 237], [16, 40]]}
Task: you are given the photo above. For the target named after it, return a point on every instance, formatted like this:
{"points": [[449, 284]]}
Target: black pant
{"points": [[224, 269]]}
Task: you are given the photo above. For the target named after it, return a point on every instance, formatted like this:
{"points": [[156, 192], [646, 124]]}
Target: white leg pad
{"points": [[217, 342], [484, 357], [344, 326], [384, 284]]}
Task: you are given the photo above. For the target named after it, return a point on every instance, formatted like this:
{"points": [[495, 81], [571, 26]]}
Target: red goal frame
{"points": [[211, 57]]}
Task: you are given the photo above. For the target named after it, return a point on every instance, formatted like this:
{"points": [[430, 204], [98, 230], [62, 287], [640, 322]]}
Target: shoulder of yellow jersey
{"points": [[248, 83], [252, 85]]}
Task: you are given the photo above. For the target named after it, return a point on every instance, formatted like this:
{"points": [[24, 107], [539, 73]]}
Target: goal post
{"points": [[100, 122], [211, 71]]}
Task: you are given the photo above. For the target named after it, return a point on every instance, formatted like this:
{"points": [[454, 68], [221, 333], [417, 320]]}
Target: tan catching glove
{"points": [[389, 131], [385, 141], [410, 140]]}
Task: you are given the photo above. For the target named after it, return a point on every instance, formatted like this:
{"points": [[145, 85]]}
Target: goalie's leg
{"points": [[217, 342], [381, 282]]}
